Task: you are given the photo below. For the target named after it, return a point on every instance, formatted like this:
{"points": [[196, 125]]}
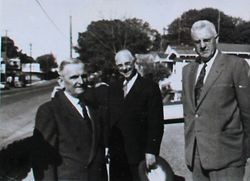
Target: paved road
{"points": [[17, 120], [172, 149], [18, 111]]}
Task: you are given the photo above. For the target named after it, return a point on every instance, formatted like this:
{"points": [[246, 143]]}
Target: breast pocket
{"points": [[223, 90]]}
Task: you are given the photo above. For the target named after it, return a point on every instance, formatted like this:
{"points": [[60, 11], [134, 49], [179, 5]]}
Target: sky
{"points": [[40, 27]]}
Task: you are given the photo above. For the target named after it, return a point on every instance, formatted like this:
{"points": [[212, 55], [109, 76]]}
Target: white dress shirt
{"points": [[208, 68], [129, 84], [75, 102]]}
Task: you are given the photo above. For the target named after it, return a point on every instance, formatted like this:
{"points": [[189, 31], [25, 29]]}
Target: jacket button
{"points": [[196, 115]]}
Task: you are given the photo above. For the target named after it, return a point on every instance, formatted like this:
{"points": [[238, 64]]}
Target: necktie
{"points": [[125, 87], [84, 110], [200, 83]]}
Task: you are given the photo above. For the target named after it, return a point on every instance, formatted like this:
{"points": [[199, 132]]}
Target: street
{"points": [[17, 121], [18, 111]]}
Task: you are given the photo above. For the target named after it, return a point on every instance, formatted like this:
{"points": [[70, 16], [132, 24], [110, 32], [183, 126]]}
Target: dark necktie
{"points": [[84, 110], [200, 83]]}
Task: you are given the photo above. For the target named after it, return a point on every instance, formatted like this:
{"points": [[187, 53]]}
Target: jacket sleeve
{"points": [[45, 156], [154, 120], [242, 88]]}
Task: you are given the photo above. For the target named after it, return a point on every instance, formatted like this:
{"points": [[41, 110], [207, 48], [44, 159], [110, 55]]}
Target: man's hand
{"points": [[150, 161], [157, 174]]}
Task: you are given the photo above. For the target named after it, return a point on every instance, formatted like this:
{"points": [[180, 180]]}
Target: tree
{"points": [[12, 50], [179, 29], [9, 45], [47, 62], [242, 33], [24, 58], [105, 37]]}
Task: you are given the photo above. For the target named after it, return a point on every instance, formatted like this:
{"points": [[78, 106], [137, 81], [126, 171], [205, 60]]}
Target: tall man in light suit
{"points": [[136, 120], [216, 99], [67, 136]]}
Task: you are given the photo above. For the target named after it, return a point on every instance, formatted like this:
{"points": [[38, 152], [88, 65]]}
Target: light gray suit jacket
{"points": [[221, 120]]}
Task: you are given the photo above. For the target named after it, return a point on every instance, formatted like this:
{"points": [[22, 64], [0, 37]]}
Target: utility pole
{"points": [[162, 40], [218, 26], [30, 62], [179, 31], [70, 32], [5, 54]]}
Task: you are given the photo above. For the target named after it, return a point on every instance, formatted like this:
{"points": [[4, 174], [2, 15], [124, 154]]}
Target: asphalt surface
{"points": [[17, 113], [18, 108]]}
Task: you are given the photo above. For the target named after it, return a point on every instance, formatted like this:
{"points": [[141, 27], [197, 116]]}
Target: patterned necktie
{"points": [[125, 88], [200, 83], [84, 110]]}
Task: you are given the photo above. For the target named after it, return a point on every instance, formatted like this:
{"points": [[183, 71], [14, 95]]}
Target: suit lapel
{"points": [[90, 105], [134, 88], [92, 118], [192, 78], [215, 71], [93, 145], [68, 106]]}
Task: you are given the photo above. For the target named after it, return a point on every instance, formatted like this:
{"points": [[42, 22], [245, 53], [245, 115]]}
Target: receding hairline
{"points": [[69, 62], [202, 24], [124, 52]]}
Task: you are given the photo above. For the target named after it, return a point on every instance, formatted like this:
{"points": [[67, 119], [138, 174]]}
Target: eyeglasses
{"points": [[126, 64], [206, 40]]}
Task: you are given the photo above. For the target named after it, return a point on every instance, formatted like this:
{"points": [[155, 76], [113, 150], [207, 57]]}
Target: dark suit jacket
{"points": [[221, 120], [139, 116], [62, 149]]}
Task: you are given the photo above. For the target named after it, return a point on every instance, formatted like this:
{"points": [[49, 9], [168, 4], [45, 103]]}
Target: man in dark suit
{"points": [[216, 99], [67, 136], [136, 120]]}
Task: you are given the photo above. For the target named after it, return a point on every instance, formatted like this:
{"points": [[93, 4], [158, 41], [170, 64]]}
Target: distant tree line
{"points": [[231, 29], [10, 51], [103, 38]]}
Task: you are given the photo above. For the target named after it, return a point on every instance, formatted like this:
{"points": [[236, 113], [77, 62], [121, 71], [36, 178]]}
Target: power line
{"points": [[50, 19], [100, 41]]}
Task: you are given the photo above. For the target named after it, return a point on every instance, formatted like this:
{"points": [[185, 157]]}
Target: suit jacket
{"points": [[65, 144], [139, 117], [220, 122]]}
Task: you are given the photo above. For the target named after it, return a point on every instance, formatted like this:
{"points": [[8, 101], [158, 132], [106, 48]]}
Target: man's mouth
{"points": [[125, 71]]}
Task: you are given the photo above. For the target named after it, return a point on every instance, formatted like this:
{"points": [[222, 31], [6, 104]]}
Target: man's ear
{"points": [[217, 39], [60, 82]]}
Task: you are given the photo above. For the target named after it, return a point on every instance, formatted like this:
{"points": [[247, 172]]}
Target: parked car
{"points": [[4, 86]]}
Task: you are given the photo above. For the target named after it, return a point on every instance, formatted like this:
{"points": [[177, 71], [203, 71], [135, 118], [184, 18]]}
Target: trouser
{"points": [[120, 169], [225, 174]]}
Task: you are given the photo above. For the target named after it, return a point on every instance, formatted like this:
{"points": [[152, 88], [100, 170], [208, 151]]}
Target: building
{"points": [[240, 50]]}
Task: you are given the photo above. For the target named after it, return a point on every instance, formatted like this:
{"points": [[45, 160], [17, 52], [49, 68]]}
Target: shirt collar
{"points": [[132, 80], [211, 61], [72, 99]]}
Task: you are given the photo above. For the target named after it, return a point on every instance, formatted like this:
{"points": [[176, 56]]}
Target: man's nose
{"points": [[80, 80], [202, 46]]}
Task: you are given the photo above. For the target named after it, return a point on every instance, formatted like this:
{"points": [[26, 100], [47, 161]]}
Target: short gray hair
{"points": [[203, 24], [67, 62]]}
